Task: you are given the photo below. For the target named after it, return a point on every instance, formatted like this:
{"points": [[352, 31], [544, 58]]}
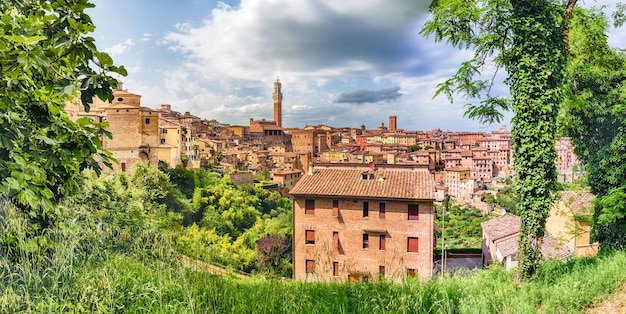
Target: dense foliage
{"points": [[594, 117], [220, 223], [462, 227], [47, 59], [527, 39], [121, 261]]}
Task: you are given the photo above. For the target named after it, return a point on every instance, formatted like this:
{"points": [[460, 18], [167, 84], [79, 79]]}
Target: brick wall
{"points": [[354, 260]]}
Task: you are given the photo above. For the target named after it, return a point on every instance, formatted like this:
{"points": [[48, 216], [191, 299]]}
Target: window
{"points": [[310, 266], [411, 272], [381, 242], [147, 120], [309, 236], [366, 243], [381, 270], [335, 239], [123, 165], [335, 208], [413, 212], [335, 269], [381, 210], [366, 209], [309, 207], [412, 245]]}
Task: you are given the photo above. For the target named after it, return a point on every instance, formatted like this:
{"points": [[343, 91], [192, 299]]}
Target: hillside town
{"points": [[462, 163], [353, 189]]}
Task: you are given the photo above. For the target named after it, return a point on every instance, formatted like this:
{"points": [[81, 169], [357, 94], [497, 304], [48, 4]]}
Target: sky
{"points": [[343, 63]]}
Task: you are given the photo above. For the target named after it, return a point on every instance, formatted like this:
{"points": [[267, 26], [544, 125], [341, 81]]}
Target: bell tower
{"points": [[278, 103]]}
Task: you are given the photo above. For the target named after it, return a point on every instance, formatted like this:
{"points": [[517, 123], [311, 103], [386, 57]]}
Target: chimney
{"points": [[310, 172]]}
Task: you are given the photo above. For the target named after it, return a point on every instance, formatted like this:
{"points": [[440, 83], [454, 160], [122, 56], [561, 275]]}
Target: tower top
{"points": [[277, 79]]}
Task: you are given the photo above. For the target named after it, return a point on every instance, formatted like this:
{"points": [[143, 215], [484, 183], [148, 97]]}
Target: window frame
{"points": [[366, 241], [412, 245], [309, 237], [413, 212], [309, 267], [382, 210], [309, 207], [366, 209]]}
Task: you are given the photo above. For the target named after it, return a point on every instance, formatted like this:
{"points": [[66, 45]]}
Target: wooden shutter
{"points": [[413, 212], [412, 245], [309, 207], [310, 266], [309, 236]]}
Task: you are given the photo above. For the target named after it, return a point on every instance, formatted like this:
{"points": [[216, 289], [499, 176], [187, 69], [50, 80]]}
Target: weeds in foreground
{"points": [[101, 268]]}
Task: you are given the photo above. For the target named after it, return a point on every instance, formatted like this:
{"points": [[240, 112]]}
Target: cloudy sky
{"points": [[341, 62]]}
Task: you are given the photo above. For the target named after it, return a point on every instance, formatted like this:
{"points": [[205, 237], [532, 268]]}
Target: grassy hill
{"points": [[153, 280], [119, 248]]}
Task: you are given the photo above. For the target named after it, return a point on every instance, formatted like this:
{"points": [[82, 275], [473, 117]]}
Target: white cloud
{"points": [[120, 48]]}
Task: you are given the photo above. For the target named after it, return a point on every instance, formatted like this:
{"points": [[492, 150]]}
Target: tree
{"points": [[46, 59], [594, 117], [526, 38]]}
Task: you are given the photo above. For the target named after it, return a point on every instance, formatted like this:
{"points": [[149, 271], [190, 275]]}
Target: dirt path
{"points": [[202, 266], [616, 303]]}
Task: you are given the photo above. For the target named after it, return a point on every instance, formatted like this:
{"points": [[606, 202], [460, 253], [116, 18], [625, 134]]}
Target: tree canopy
{"points": [[594, 116], [527, 39], [46, 60]]}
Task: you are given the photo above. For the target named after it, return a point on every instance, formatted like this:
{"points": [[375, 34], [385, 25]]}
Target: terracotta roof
{"points": [[509, 225], [457, 169], [578, 201], [509, 246], [552, 249], [390, 183], [503, 226]]}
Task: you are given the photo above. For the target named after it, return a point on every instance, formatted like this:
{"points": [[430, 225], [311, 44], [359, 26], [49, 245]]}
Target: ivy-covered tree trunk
{"points": [[536, 76], [528, 39]]}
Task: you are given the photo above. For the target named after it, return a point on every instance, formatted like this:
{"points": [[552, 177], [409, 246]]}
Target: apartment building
{"points": [[357, 222]]}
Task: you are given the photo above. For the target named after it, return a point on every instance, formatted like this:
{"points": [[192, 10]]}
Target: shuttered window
{"points": [[310, 266], [309, 236], [412, 245], [309, 207], [413, 212]]}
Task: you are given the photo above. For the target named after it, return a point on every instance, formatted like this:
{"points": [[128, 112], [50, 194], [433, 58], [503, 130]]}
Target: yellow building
{"points": [[569, 222]]}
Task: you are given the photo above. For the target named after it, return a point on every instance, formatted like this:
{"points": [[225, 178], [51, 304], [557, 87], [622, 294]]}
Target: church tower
{"points": [[278, 104]]}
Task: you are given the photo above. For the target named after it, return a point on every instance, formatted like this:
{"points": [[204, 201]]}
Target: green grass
{"points": [[100, 268], [120, 282]]}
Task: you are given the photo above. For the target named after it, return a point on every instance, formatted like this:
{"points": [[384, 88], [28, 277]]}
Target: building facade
{"points": [[354, 222]]}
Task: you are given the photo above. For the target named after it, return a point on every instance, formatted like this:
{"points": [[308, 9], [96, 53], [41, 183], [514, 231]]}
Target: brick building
{"points": [[353, 222], [134, 129]]}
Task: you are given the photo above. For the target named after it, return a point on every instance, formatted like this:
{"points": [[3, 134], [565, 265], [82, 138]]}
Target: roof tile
{"points": [[394, 183]]}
